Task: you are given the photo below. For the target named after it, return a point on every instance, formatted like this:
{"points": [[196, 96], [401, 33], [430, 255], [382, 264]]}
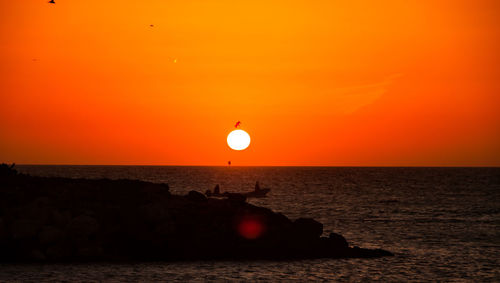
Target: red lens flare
{"points": [[250, 228]]}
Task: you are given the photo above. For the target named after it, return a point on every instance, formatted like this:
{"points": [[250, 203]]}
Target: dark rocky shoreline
{"points": [[71, 220]]}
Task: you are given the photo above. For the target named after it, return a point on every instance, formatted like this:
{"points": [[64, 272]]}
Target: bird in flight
{"points": [[52, 2], [237, 124]]}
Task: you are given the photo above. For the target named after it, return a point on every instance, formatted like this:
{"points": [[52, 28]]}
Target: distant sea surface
{"points": [[442, 223]]}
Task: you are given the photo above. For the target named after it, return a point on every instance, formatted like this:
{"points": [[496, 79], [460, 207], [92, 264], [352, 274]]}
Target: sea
{"points": [[442, 224]]}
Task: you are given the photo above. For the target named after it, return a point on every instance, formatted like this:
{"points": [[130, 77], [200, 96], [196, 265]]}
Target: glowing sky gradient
{"points": [[361, 83]]}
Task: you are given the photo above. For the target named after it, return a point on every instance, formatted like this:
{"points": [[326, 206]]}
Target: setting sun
{"points": [[238, 140]]}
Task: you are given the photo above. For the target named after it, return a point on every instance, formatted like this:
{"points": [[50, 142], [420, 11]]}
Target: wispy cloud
{"points": [[348, 99]]}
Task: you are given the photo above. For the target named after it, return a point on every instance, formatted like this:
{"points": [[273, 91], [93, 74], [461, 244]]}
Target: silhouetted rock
{"points": [[82, 227], [36, 255], [88, 250], [235, 197], [196, 196], [3, 231], [24, 229], [307, 228], [152, 212], [50, 235], [338, 241], [58, 252], [165, 228], [60, 219]]}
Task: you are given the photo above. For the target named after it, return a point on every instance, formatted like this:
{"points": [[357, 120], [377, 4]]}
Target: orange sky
{"points": [[357, 83]]}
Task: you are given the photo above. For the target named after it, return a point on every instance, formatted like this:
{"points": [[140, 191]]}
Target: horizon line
{"points": [[351, 166]]}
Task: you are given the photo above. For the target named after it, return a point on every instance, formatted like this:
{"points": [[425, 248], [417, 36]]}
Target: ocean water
{"points": [[441, 223]]}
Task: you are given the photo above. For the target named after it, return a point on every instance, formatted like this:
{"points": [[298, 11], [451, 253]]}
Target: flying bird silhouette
{"points": [[52, 2], [237, 124]]}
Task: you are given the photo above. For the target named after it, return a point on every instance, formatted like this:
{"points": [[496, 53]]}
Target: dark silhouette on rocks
{"points": [[256, 193], [66, 220]]}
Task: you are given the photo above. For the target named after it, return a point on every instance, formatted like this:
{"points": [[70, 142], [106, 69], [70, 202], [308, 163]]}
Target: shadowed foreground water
{"points": [[442, 223]]}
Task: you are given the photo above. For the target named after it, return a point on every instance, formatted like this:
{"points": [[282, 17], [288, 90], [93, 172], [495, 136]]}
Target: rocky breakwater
{"points": [[60, 219]]}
